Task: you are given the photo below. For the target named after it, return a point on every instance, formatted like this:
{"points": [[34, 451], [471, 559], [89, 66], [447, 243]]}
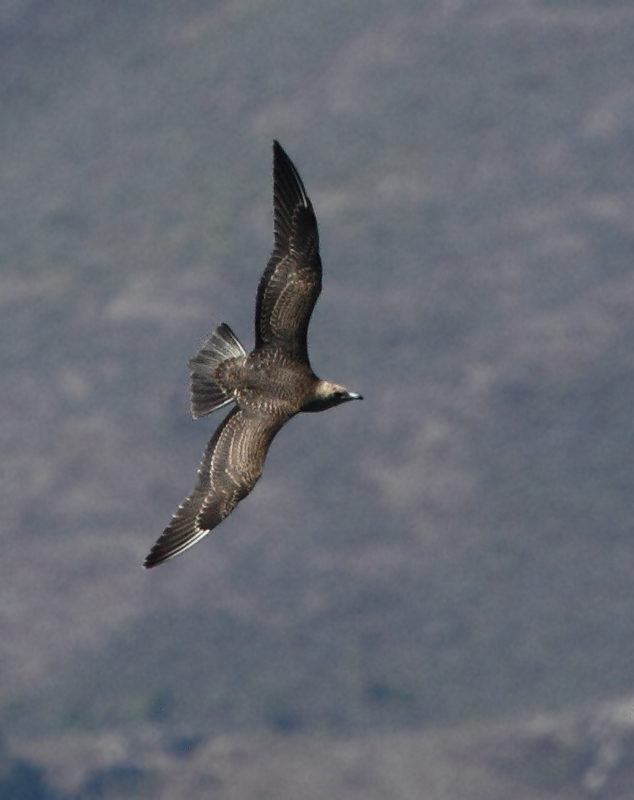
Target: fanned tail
{"points": [[206, 395]]}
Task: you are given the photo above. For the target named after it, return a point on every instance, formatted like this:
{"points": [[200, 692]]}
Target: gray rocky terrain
{"points": [[455, 551]]}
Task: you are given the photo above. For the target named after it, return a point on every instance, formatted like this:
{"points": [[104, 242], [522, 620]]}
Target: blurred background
{"points": [[428, 594]]}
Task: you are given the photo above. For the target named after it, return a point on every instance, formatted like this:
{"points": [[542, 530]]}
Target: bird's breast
{"points": [[267, 381]]}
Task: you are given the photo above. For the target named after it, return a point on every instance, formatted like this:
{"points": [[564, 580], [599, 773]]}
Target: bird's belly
{"points": [[266, 382]]}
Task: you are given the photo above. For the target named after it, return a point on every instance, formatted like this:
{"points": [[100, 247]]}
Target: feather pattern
{"points": [[270, 385], [207, 394], [291, 282], [231, 466]]}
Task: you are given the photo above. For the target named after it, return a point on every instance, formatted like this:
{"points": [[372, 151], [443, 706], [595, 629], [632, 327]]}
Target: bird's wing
{"points": [[291, 282], [230, 468]]}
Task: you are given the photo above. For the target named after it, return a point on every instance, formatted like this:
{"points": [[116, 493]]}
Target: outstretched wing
{"points": [[230, 468], [291, 282]]}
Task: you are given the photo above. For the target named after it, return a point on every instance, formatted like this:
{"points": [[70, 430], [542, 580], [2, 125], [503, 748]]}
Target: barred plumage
{"points": [[270, 385]]}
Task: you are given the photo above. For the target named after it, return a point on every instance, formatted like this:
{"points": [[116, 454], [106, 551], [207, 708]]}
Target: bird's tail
{"points": [[206, 395]]}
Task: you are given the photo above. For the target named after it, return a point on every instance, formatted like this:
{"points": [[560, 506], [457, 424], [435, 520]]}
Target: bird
{"points": [[268, 386]]}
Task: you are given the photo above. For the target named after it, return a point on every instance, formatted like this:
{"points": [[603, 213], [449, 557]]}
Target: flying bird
{"points": [[267, 387]]}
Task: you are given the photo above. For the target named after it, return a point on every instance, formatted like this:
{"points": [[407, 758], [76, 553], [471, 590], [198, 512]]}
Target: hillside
{"points": [[459, 546], [545, 757]]}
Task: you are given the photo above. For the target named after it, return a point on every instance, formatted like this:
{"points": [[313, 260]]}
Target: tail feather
{"points": [[206, 395]]}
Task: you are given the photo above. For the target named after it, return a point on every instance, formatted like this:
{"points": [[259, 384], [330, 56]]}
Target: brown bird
{"points": [[269, 386]]}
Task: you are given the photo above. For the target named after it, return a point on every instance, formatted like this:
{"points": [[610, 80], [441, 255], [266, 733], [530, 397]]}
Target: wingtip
{"points": [[278, 151], [151, 561], [281, 158], [289, 191]]}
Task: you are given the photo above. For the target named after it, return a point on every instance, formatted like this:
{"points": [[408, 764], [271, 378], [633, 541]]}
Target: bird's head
{"points": [[327, 395]]}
